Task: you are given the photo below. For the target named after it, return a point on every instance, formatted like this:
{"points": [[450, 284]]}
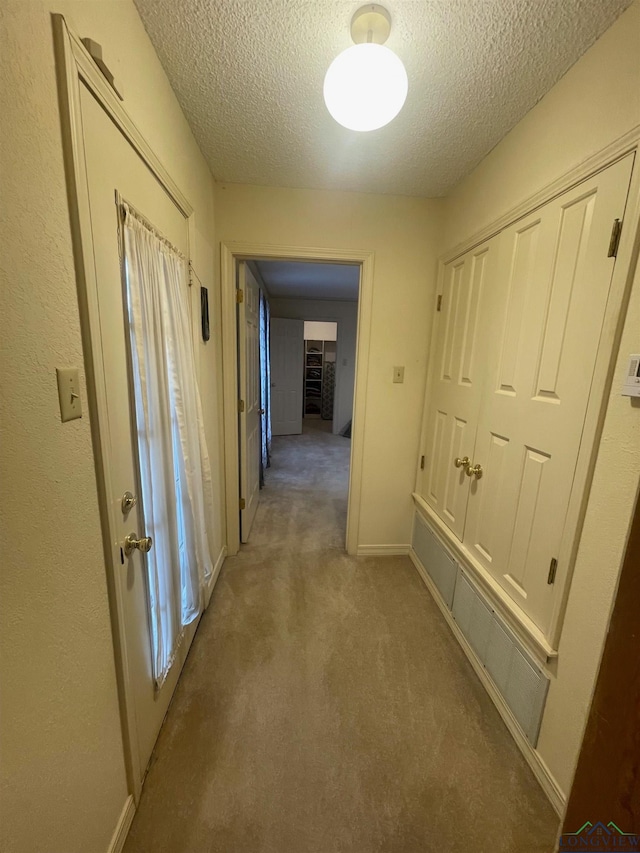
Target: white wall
{"points": [[346, 316], [319, 330], [597, 101], [63, 776], [404, 233]]}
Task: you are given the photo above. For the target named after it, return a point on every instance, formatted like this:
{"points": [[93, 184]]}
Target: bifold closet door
{"points": [[549, 306], [456, 384]]}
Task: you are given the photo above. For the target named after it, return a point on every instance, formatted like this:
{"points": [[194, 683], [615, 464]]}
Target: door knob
{"points": [[474, 471], [462, 463], [131, 543], [262, 411]]}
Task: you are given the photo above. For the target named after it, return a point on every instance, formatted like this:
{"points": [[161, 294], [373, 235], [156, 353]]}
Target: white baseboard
{"points": [[540, 770], [122, 828], [215, 574], [382, 550]]}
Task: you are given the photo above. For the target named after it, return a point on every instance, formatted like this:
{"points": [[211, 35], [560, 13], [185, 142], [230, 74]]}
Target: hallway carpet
{"points": [[325, 707]]}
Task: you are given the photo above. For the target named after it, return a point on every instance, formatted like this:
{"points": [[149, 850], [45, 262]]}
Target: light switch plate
{"points": [[398, 374], [631, 387], [69, 393]]}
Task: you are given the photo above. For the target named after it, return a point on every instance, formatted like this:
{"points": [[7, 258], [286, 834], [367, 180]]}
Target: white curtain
{"points": [[174, 463]]}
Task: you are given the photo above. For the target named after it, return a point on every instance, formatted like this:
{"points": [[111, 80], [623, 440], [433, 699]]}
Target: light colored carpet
{"points": [[325, 706]]}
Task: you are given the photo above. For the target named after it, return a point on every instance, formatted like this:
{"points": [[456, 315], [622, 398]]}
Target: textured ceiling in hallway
{"points": [[249, 75], [304, 280]]}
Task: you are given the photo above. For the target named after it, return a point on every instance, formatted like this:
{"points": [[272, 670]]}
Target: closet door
{"points": [[549, 303], [452, 411]]}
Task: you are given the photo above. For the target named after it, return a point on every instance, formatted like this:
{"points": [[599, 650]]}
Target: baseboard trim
{"points": [[222, 556], [122, 828], [383, 550], [540, 770]]}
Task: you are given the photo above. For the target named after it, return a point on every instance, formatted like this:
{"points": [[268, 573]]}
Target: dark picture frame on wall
{"points": [[204, 309]]}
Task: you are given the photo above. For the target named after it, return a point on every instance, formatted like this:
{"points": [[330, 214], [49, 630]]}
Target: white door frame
{"points": [[230, 253], [75, 68]]}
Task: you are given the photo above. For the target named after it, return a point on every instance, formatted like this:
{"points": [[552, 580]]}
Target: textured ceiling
{"points": [[304, 280], [249, 75]]}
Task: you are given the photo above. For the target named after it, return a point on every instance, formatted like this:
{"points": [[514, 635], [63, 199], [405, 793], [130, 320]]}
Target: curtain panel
{"points": [[175, 473], [265, 386]]}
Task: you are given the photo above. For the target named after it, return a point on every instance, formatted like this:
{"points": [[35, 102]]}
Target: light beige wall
{"points": [[597, 101], [63, 777], [346, 315], [404, 233]]}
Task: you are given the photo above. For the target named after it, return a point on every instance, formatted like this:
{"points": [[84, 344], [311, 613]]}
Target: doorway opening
{"points": [[294, 319], [298, 285]]}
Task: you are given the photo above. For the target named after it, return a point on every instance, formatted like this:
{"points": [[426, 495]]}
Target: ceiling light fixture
{"points": [[366, 85]]}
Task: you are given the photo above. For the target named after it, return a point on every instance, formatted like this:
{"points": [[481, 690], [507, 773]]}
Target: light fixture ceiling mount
{"points": [[366, 85], [371, 24]]}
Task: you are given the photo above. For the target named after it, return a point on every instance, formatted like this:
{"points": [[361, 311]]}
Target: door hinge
{"points": [[241, 405], [239, 296], [552, 571], [439, 308], [422, 463], [614, 242], [243, 503]]}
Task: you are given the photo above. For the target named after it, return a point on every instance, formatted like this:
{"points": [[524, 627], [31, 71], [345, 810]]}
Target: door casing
{"points": [[230, 254]]}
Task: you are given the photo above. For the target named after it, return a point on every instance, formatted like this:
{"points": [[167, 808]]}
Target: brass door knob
{"points": [[475, 471], [462, 463], [131, 543]]}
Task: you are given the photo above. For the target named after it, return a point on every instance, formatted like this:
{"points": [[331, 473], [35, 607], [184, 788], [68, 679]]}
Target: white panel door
{"points": [[456, 384], [549, 309], [112, 164], [250, 414], [287, 359]]}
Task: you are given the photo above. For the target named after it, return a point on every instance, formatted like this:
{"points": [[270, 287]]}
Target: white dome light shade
{"points": [[365, 87]]}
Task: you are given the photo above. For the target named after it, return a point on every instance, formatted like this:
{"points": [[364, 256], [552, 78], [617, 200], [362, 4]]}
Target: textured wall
{"points": [[63, 778], [404, 233], [346, 315], [597, 101]]}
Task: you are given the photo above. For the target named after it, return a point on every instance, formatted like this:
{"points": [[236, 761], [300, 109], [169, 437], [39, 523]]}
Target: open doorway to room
{"points": [[310, 454], [305, 317]]}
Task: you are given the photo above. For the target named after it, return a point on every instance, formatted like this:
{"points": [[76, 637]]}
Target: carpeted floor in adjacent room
{"points": [[325, 707]]}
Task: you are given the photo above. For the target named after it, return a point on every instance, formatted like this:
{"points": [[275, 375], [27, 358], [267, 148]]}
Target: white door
{"points": [[456, 384], [112, 164], [287, 354], [249, 390], [549, 304]]}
